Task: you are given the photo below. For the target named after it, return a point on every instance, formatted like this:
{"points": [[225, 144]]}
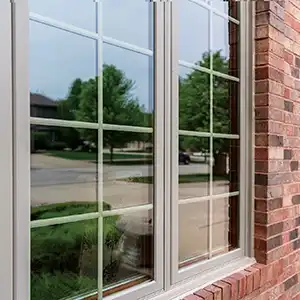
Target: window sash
{"points": [[177, 275]]}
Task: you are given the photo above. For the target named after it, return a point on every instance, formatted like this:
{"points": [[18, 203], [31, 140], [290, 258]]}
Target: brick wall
{"points": [[277, 155]]}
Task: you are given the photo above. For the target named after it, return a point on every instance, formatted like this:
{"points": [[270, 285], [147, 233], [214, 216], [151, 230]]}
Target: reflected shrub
{"points": [[49, 286], [58, 146], [65, 256], [39, 141]]}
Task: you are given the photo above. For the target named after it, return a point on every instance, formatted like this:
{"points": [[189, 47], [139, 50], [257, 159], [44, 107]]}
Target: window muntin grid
{"points": [[128, 128], [193, 264]]}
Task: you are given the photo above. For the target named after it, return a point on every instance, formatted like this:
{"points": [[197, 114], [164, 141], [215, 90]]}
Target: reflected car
{"points": [[184, 158]]}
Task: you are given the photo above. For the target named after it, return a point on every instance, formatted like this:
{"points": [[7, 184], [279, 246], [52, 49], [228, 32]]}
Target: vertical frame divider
{"points": [[158, 205], [246, 36], [167, 144], [99, 73], [151, 67], [174, 70], [211, 128], [6, 158], [21, 149]]}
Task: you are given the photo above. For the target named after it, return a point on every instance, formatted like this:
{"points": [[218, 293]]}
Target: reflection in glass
{"points": [[130, 76], [225, 225], [220, 225], [225, 165], [225, 106], [80, 13], [193, 232], [194, 100], [191, 46], [194, 168], [134, 21], [61, 63], [64, 259], [63, 170], [128, 168], [128, 250], [225, 46]]}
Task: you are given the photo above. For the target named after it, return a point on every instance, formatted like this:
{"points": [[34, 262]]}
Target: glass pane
{"points": [[193, 48], [225, 224], [134, 21], [225, 166], [62, 74], [194, 100], [128, 251], [230, 8], [64, 260], [225, 46], [128, 156], [63, 171], [128, 169], [81, 13], [193, 232], [225, 106], [127, 87], [194, 168]]}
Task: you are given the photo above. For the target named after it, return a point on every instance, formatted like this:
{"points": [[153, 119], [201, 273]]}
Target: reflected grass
{"points": [[64, 257], [189, 178], [92, 156]]}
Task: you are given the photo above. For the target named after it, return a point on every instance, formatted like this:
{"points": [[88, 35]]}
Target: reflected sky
{"points": [[58, 57]]}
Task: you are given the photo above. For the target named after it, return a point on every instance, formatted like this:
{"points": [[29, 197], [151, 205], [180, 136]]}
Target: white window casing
{"points": [[169, 281]]}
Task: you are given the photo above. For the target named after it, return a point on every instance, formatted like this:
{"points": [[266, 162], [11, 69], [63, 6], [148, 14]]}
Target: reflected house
{"points": [[42, 106]]}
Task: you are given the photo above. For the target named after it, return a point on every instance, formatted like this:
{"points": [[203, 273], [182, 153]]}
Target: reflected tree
{"points": [[66, 111], [119, 108], [194, 106]]}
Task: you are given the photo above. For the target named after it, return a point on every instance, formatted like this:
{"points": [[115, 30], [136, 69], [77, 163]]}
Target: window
{"points": [[137, 118]]}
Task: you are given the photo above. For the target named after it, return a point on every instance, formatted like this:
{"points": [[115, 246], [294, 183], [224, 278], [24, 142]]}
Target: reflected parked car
{"points": [[184, 158]]}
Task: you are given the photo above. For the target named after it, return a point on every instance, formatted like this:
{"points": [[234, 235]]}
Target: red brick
{"points": [[261, 153], [261, 58], [288, 56], [261, 86], [261, 140], [225, 288], [256, 277], [249, 281], [204, 294], [192, 297], [260, 267], [241, 284], [216, 291], [234, 287], [275, 61], [261, 100], [262, 45]]}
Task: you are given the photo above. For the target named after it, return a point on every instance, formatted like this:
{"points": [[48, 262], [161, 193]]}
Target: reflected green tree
{"points": [[120, 107], [66, 111], [194, 105]]}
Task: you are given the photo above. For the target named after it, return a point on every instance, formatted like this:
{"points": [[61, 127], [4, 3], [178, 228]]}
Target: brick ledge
{"points": [[246, 284]]}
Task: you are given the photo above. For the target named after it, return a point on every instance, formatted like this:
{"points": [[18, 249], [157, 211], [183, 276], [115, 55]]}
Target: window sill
{"points": [[193, 284]]}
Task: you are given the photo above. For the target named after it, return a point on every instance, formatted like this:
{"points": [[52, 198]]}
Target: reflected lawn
{"points": [[64, 256], [189, 178], [92, 156]]}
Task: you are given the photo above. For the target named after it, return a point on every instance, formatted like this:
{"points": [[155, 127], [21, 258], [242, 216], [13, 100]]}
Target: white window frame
{"points": [[6, 161], [202, 267], [168, 280]]}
